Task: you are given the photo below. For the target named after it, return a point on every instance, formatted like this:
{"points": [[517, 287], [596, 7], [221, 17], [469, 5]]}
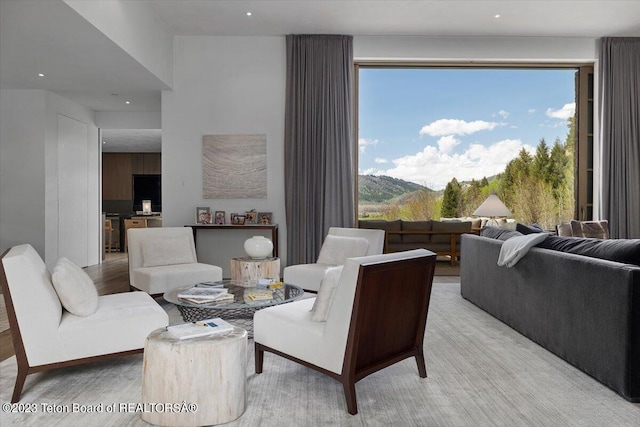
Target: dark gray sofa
{"points": [[584, 310]]}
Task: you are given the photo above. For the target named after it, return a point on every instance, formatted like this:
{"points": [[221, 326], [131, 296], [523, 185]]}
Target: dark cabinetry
{"points": [[118, 168]]}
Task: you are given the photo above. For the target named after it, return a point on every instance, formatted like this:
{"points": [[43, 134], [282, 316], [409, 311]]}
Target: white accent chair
{"points": [[162, 259], [46, 336], [309, 276], [377, 317]]}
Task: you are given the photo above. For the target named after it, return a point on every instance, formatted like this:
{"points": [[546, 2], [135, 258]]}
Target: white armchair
{"points": [[162, 259], [375, 318], [47, 336], [334, 252]]}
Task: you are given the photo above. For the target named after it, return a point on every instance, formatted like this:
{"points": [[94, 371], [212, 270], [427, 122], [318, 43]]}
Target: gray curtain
{"points": [[620, 118], [318, 141]]}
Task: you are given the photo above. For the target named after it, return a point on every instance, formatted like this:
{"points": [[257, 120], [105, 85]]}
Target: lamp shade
{"points": [[492, 207]]}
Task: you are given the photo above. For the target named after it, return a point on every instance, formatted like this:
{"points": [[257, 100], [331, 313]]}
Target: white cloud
{"points": [[567, 111], [503, 114], [381, 160], [363, 143], [444, 127], [531, 110], [434, 168], [370, 171], [447, 143]]}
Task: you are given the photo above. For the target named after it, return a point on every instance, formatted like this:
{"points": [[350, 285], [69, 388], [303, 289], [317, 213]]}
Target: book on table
{"points": [[201, 295], [221, 299], [200, 328]]}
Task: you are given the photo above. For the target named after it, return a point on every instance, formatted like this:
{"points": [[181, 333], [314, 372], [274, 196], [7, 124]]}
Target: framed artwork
{"points": [[240, 220], [219, 217], [203, 215], [250, 217], [264, 218], [233, 218]]}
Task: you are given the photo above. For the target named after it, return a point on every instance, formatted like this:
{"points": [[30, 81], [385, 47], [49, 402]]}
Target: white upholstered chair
{"points": [[309, 276], [47, 336], [376, 317], [162, 259]]}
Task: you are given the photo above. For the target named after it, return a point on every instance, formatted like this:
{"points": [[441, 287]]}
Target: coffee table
{"points": [[240, 311]]}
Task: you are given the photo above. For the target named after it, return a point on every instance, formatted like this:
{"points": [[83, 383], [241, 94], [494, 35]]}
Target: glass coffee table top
{"points": [[239, 311]]}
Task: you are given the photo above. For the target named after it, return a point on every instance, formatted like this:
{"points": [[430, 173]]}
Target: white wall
{"points": [[22, 168], [129, 119], [222, 85], [29, 173]]}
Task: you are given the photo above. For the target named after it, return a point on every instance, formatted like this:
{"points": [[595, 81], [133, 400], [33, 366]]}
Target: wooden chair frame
{"points": [[387, 325], [24, 368]]}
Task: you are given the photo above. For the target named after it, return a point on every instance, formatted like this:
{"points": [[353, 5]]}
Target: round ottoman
{"points": [[195, 381]]}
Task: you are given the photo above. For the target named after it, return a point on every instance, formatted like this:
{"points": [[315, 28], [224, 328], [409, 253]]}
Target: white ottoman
{"points": [[210, 372]]}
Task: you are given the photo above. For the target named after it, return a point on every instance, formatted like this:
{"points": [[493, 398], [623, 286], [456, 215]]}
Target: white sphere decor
{"points": [[258, 247]]}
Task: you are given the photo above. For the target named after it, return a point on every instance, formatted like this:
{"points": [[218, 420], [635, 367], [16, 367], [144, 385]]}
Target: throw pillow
{"points": [[167, 251], [336, 249], [499, 233], [528, 229], [75, 289], [326, 292]]}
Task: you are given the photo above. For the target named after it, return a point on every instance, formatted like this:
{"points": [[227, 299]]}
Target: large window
{"points": [[435, 142]]}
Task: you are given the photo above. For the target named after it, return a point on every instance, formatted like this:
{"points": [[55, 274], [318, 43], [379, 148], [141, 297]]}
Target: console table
{"points": [[272, 227]]}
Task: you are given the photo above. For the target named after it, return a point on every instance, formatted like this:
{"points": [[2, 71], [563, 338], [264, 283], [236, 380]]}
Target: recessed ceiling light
{"points": [[104, 142], [497, 15], [127, 102], [40, 75], [249, 13]]}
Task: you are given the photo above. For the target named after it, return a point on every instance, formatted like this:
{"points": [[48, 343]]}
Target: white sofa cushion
{"points": [[121, 323], [76, 290], [336, 249], [164, 278], [307, 276], [166, 250], [325, 294]]}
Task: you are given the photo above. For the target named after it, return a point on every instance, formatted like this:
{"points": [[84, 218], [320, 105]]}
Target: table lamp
{"points": [[492, 207], [146, 207]]}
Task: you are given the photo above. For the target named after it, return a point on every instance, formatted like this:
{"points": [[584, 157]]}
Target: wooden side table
{"points": [[250, 269], [208, 373]]}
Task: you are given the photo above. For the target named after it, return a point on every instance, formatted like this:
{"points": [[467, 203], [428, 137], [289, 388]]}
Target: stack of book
{"points": [[205, 295], [200, 329], [260, 296]]}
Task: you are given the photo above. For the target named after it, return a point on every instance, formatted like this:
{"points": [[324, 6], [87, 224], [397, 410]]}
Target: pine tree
{"points": [[541, 161], [451, 199]]}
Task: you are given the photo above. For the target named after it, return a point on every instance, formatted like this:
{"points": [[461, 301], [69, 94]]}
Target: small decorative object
{"points": [[250, 217], [258, 247], [146, 207], [220, 216], [240, 220], [233, 218], [264, 218], [203, 215]]}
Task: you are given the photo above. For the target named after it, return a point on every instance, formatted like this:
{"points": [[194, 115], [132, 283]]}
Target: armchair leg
{"points": [[259, 356], [350, 396], [20, 378], [422, 368]]}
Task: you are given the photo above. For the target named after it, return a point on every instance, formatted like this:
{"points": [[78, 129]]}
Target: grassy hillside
{"points": [[379, 189]]}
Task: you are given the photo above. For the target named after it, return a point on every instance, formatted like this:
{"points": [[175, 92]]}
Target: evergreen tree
{"points": [[484, 183], [451, 199], [541, 160]]}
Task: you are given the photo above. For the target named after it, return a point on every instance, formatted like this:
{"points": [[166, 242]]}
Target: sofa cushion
{"points": [[161, 250], [307, 276], [164, 278], [528, 229], [416, 226], [499, 233], [76, 290], [336, 249], [386, 226], [327, 290], [626, 251], [444, 226]]}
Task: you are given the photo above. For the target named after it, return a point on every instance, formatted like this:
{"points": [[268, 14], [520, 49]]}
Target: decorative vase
{"points": [[258, 247]]}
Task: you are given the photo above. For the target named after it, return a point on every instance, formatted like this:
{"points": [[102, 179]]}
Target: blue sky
{"points": [[429, 125]]}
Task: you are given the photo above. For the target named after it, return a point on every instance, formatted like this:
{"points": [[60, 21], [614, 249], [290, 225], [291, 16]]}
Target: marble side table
{"points": [[210, 372], [251, 269]]}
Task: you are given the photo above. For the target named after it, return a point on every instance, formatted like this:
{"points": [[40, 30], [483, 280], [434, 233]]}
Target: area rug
{"points": [[481, 373]]}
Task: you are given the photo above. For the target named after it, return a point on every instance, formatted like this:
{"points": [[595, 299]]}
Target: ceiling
{"points": [[82, 64], [131, 140]]}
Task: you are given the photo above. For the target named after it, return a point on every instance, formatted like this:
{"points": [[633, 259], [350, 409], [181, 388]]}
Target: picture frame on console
{"points": [[220, 217], [240, 220], [233, 218], [203, 215], [251, 217], [264, 218]]}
